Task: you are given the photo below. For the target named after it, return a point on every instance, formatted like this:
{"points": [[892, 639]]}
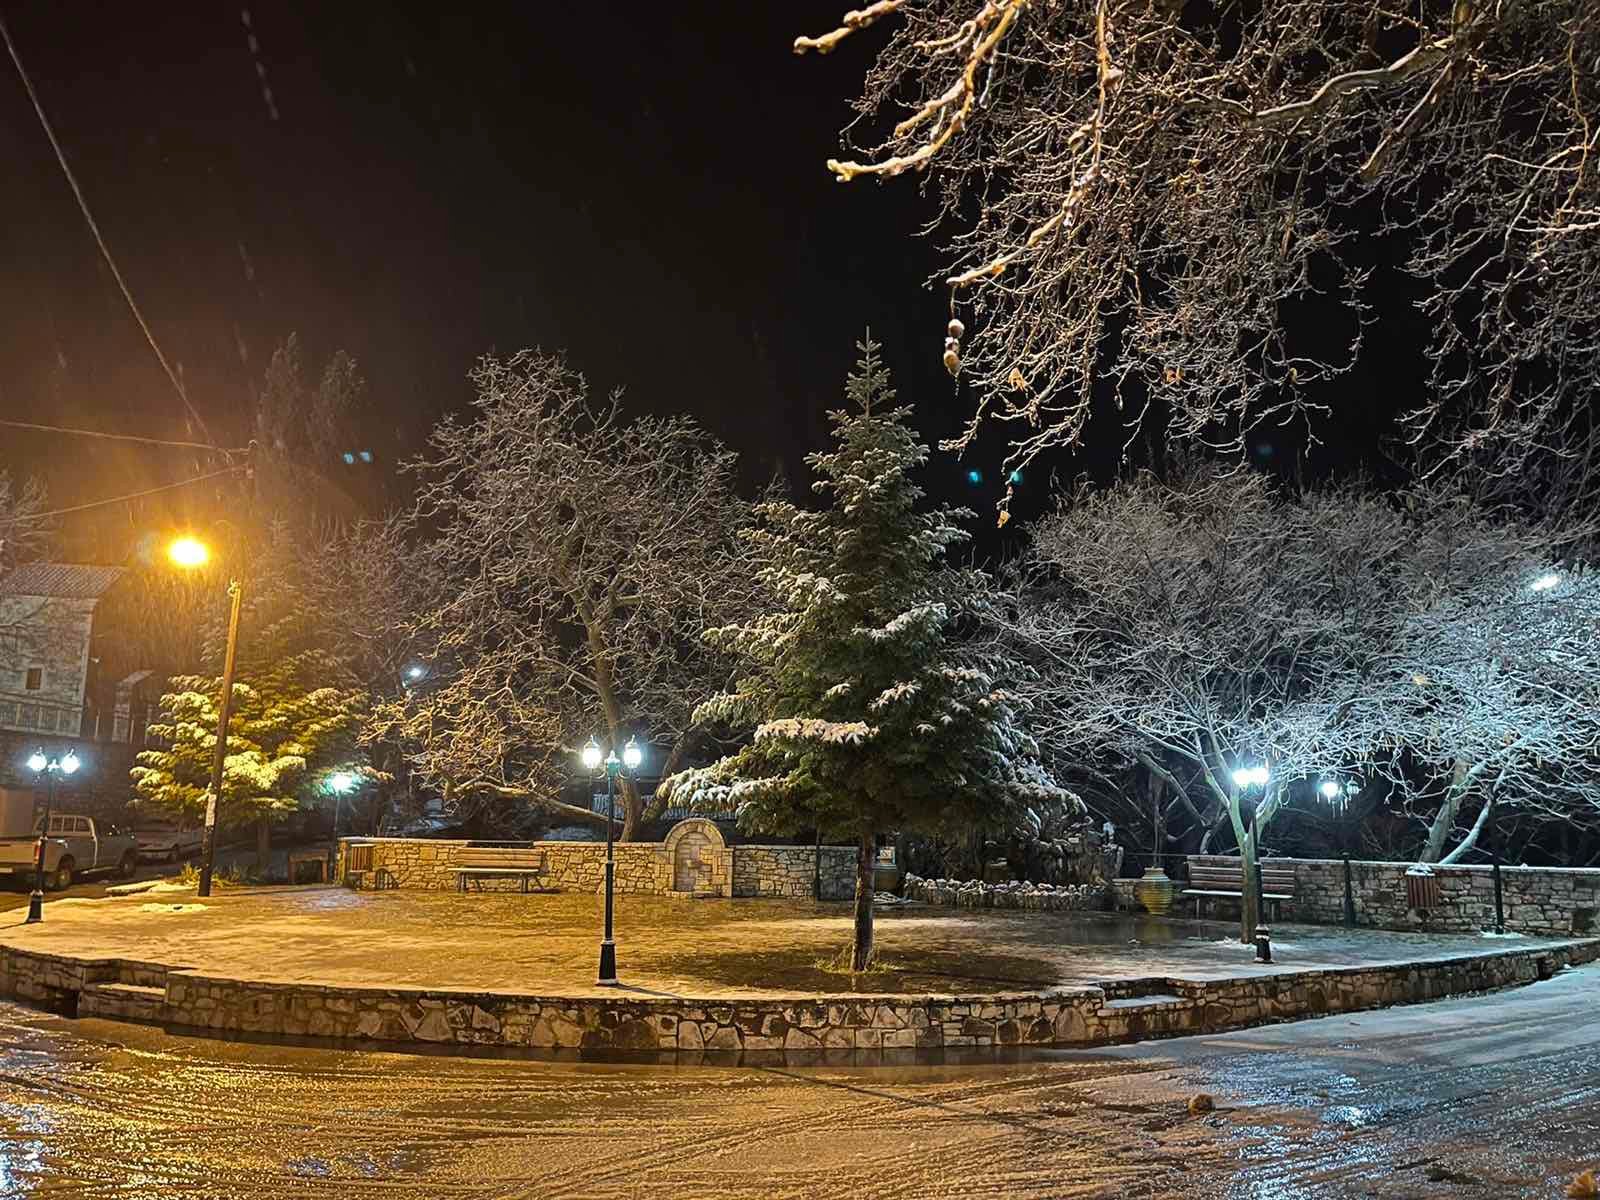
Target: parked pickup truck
{"points": [[76, 846], [162, 841]]}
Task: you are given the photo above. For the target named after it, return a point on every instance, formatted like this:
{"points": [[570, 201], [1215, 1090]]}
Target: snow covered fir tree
{"points": [[867, 710]]}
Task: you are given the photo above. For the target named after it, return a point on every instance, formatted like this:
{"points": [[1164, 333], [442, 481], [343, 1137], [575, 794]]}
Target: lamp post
{"points": [[41, 764], [341, 784], [1337, 794], [189, 554], [632, 756]]}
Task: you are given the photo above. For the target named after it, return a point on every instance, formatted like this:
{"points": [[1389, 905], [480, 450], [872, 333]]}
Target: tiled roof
{"points": [[60, 581]]}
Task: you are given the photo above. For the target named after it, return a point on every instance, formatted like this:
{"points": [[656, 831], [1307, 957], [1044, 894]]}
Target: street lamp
{"points": [[591, 757], [1337, 794], [49, 768], [189, 553], [341, 784], [1248, 777]]}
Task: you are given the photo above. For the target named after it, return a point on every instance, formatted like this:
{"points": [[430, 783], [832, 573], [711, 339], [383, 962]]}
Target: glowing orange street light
{"points": [[189, 553]]}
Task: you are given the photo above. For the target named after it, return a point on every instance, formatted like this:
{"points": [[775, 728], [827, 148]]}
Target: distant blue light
{"points": [[366, 456], [1014, 477], [349, 459], [974, 476]]}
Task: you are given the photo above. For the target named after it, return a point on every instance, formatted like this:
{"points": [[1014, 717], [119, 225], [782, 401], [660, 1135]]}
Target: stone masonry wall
{"points": [[791, 871], [806, 1027], [1537, 900], [642, 867]]}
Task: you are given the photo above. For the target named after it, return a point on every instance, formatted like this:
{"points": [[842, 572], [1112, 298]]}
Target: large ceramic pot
{"points": [[1154, 891]]}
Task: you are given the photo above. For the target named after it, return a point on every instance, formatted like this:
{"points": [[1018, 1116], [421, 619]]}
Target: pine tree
{"points": [[869, 714], [295, 714]]}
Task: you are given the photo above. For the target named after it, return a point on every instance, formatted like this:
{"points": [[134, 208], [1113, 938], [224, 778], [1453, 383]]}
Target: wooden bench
{"points": [[1212, 881], [477, 863]]}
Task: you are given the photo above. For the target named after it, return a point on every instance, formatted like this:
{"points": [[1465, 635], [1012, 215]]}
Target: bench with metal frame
{"points": [[477, 863], [1225, 881]]}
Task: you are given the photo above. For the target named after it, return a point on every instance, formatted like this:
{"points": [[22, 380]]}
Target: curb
{"points": [[1123, 1010]]}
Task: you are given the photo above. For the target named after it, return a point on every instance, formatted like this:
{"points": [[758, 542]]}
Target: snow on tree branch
{"points": [[581, 555], [1193, 209]]}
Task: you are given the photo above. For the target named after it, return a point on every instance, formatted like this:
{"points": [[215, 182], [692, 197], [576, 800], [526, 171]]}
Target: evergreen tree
{"points": [[869, 713], [295, 714]]}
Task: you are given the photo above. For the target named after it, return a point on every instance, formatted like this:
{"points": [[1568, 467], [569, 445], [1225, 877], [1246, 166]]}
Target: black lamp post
{"points": [[41, 764], [632, 756]]}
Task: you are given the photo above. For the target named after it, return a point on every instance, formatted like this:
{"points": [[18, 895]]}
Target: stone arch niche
{"points": [[698, 861]]}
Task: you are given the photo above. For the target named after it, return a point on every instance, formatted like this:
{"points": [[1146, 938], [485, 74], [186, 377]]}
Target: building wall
{"points": [[649, 868], [1536, 900], [53, 635]]}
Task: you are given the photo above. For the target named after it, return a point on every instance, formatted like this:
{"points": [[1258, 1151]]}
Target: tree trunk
{"points": [[632, 809], [866, 859], [1445, 819], [263, 846], [1249, 917]]}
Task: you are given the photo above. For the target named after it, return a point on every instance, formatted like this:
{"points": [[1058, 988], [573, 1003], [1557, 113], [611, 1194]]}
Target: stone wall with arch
{"points": [[695, 860]]}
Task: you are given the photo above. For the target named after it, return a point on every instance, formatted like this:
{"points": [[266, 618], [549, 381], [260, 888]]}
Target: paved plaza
{"points": [[547, 944], [1487, 1096]]}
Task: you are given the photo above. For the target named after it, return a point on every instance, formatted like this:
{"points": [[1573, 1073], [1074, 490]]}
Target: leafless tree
{"points": [[581, 556], [1207, 624], [1500, 701], [1185, 204], [23, 531]]}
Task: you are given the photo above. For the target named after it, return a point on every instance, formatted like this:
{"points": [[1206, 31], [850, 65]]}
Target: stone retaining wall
{"points": [[971, 893], [694, 854], [1551, 901], [1079, 1016]]}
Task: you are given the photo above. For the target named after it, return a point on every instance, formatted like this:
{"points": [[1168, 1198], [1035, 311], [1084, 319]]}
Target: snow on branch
{"points": [[1194, 209]]}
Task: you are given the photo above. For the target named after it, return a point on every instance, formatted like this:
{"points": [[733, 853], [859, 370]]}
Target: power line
{"points": [[165, 487], [120, 437], [105, 251]]}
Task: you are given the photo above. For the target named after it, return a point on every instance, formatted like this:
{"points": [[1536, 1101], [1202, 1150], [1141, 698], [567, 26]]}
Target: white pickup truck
{"points": [[76, 846]]}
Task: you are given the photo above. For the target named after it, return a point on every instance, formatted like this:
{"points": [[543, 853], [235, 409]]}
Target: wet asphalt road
{"points": [[1492, 1096]]}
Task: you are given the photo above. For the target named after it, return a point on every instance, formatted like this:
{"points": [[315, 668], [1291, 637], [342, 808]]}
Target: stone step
{"points": [[123, 1002], [1154, 1001]]}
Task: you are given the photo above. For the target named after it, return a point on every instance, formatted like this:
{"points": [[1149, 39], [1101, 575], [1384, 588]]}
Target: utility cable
{"points": [[120, 437], [105, 251], [165, 487]]}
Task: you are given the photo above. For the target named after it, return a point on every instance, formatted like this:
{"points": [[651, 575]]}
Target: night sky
{"points": [[642, 185]]}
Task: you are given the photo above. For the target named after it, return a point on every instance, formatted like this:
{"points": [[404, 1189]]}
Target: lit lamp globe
{"points": [[1331, 789], [1251, 777], [591, 755], [70, 763], [632, 756], [188, 552], [37, 762], [341, 781]]}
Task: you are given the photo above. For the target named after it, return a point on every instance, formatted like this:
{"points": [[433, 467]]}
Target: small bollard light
{"points": [[1263, 944]]}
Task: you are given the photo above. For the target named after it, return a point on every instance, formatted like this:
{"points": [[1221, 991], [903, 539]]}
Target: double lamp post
{"points": [[591, 756], [42, 764]]}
